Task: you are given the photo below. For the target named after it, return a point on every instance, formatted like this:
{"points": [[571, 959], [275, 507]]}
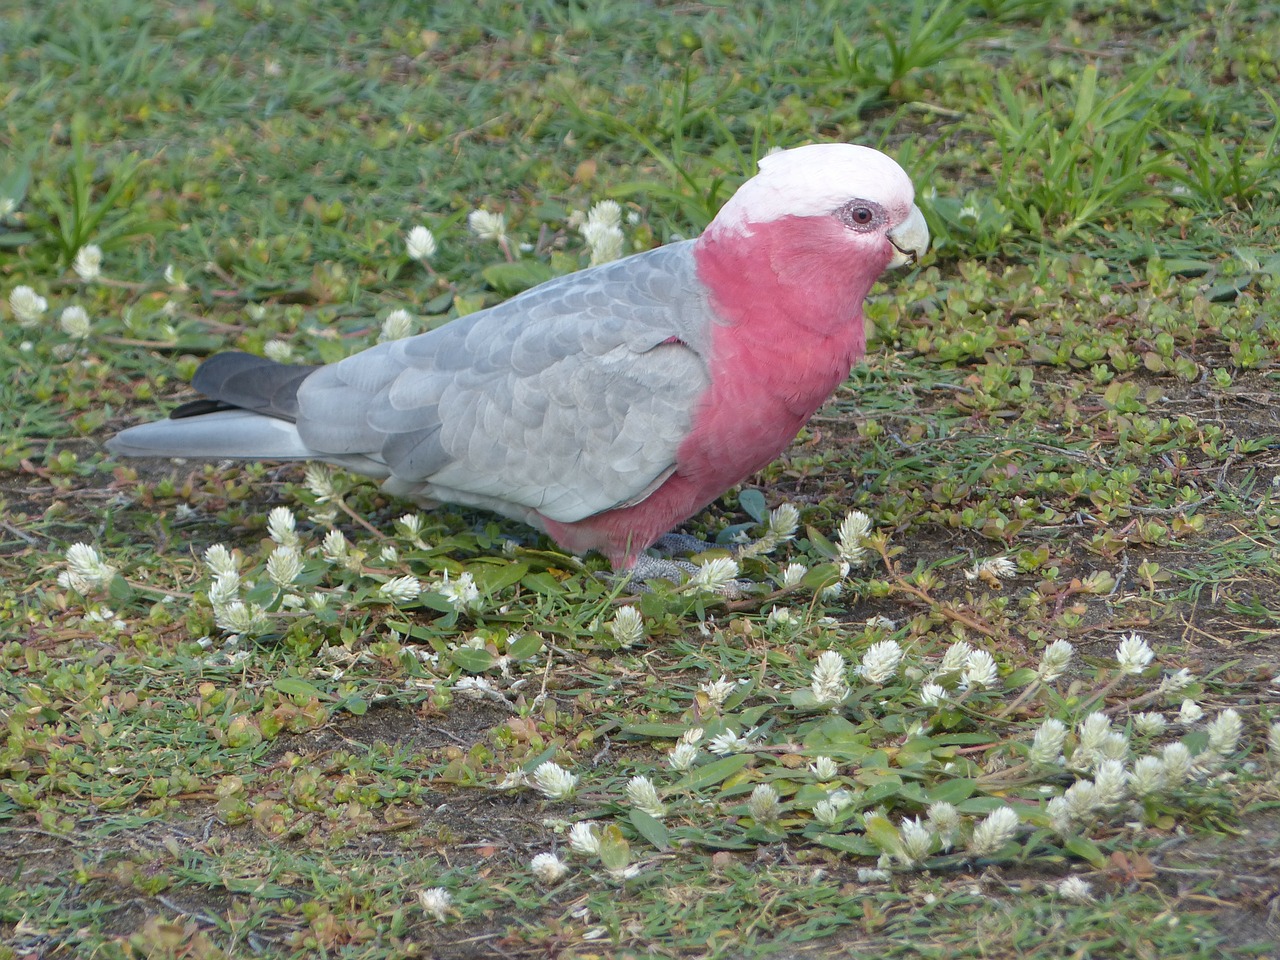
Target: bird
{"points": [[607, 406]]}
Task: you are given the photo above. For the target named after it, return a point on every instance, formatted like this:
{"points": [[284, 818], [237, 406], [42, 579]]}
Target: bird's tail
{"points": [[230, 434]]}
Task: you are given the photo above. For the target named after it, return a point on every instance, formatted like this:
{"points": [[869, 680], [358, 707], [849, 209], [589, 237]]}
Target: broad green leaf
{"points": [[882, 832], [753, 505], [525, 647], [717, 771], [652, 829], [513, 278], [854, 843], [615, 852], [471, 659], [1086, 849], [952, 791], [297, 687], [493, 577]]}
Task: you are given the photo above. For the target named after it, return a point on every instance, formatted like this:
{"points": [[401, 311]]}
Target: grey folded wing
{"points": [[570, 399]]}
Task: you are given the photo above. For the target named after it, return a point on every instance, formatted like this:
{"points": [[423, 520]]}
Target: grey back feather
{"points": [[569, 399]]}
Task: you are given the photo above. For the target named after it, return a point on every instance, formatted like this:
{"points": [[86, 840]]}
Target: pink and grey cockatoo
{"points": [[606, 406]]}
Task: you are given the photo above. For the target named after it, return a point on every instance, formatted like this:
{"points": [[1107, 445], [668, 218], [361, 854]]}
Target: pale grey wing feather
{"points": [[569, 399]]}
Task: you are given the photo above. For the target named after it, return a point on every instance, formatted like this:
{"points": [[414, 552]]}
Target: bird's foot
{"points": [[671, 544], [689, 575]]}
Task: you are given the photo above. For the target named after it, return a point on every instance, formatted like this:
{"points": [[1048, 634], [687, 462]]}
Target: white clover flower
{"points": [[334, 548], [319, 600], [1149, 724], [643, 795], [319, 481], [27, 306], [281, 351], [932, 694], [401, 589], [993, 568], [225, 588], [548, 868], [1115, 746], [1147, 777], [1054, 660], [627, 626], [824, 768], [606, 212], [792, 575], [784, 521], [1273, 738], [410, 526], [487, 225], [872, 875], [1177, 763], [283, 566], [730, 742], [955, 659], [980, 671], [781, 617], [1111, 782], [880, 662], [1224, 732], [553, 781], [853, 530], [282, 527], [682, 757], [827, 682], [240, 617], [999, 827], [1082, 800], [1075, 890], [603, 240], [1094, 730], [827, 811], [1046, 746], [435, 903], [398, 325], [1133, 654], [86, 570], [916, 839], [717, 691], [715, 574], [692, 735], [1174, 682], [945, 819], [462, 593], [420, 244], [1060, 819], [584, 838], [88, 262], [1189, 713], [220, 560], [74, 322], [764, 805]]}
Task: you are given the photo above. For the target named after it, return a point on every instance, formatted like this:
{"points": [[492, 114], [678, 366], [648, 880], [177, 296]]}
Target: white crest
{"points": [[813, 181]]}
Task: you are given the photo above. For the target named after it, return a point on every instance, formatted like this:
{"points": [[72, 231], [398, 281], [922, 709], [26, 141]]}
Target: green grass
{"points": [[1079, 378]]}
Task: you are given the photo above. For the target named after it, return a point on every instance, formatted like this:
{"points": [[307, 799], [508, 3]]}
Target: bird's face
{"points": [[857, 200]]}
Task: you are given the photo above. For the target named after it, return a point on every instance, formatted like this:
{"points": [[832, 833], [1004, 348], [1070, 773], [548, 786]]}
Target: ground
{"points": [[1078, 379]]}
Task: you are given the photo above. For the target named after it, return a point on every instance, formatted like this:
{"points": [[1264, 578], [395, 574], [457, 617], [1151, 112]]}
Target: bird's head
{"points": [[848, 199]]}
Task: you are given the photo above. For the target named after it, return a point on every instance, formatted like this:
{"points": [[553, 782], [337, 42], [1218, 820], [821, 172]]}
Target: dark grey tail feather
{"points": [[242, 381]]}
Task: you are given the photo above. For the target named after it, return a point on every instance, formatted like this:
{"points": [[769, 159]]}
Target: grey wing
{"points": [[570, 399]]}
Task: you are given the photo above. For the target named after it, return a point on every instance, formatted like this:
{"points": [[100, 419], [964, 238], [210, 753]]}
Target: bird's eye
{"points": [[861, 215]]}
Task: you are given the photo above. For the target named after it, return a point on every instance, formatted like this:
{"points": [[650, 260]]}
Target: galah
{"points": [[606, 406]]}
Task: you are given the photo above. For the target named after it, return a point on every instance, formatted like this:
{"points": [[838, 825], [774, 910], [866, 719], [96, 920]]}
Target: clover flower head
{"points": [[553, 781], [643, 795]]}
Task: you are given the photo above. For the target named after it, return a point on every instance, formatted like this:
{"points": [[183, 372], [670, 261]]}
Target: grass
{"points": [[1079, 379]]}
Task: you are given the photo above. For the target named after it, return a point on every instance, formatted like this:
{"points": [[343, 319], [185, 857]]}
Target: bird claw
{"points": [[680, 572]]}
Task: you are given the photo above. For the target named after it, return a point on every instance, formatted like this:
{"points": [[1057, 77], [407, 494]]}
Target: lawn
{"points": [[1008, 684]]}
